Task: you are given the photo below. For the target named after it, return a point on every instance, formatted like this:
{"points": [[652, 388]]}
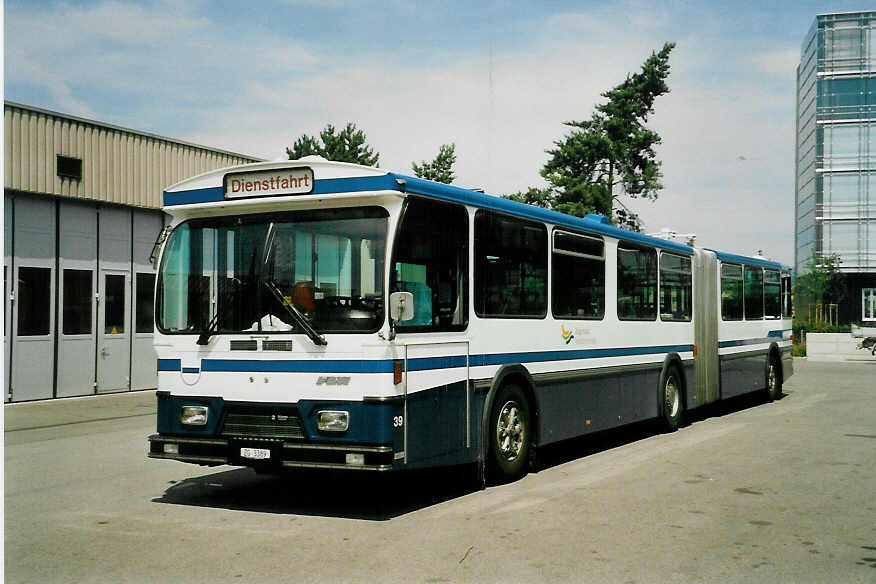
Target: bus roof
{"points": [[340, 177]]}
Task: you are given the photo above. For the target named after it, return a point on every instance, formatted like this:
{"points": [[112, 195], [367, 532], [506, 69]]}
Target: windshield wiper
{"points": [[296, 315], [213, 325], [209, 330]]}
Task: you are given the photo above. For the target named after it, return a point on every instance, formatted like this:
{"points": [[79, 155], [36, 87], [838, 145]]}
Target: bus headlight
{"points": [[330, 421], [193, 416]]}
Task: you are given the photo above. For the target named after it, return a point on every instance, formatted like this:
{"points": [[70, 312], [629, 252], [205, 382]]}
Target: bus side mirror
{"points": [[401, 306]]}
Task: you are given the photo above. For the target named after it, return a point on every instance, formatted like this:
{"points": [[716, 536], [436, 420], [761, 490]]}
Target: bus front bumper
{"points": [[270, 454]]}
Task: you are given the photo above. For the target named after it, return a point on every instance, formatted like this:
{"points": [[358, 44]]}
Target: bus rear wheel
{"points": [[672, 404], [510, 434], [773, 380]]}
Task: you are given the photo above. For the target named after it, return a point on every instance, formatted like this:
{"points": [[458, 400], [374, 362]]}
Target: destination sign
{"points": [[266, 183]]}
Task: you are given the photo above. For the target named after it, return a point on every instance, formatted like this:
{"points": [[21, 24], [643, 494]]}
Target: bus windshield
{"points": [[303, 271]]}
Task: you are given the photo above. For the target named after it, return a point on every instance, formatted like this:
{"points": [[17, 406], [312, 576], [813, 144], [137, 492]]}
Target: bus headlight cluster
{"points": [[332, 421], [193, 416]]}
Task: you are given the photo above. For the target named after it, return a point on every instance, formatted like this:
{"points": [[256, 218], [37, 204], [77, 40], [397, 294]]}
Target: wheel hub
{"points": [[510, 431], [672, 399]]}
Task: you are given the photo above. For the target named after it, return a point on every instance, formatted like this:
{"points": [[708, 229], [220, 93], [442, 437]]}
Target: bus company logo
{"points": [[333, 380], [567, 335]]}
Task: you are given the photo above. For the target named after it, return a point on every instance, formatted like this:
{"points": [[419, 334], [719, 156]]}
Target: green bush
{"points": [[801, 327]]}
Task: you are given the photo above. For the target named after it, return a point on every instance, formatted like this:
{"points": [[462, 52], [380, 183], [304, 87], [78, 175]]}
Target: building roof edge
{"points": [[845, 13], [99, 124]]}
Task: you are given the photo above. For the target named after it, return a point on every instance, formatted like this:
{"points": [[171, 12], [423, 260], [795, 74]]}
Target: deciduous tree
{"points": [[822, 282]]}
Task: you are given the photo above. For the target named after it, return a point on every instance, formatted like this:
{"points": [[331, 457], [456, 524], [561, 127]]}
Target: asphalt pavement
{"points": [[747, 492]]}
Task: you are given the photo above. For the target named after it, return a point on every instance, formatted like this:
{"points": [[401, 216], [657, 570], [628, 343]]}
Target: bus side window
{"points": [[772, 294], [430, 260], [787, 308], [636, 282], [676, 289], [511, 258], [578, 276], [753, 287], [731, 292]]}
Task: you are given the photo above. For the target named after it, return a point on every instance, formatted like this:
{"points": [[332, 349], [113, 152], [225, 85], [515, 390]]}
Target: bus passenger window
{"points": [[731, 292], [430, 260], [578, 276], [510, 266], [772, 294], [676, 289], [787, 308], [636, 283], [753, 293]]}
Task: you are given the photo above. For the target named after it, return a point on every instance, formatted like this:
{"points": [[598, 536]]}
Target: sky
{"points": [[496, 78]]}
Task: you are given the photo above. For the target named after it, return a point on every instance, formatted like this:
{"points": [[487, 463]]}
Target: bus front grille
{"points": [[262, 424]]}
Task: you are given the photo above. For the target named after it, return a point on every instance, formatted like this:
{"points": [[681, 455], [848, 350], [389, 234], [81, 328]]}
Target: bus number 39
{"points": [[398, 421]]}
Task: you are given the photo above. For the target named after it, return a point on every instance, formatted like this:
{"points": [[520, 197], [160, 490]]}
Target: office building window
{"points": [[868, 303]]}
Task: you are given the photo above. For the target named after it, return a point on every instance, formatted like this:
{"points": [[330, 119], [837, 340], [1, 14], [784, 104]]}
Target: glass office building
{"points": [[836, 155]]}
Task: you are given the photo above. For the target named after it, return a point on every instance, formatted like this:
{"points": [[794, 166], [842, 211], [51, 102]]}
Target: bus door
{"points": [[437, 404], [705, 327]]}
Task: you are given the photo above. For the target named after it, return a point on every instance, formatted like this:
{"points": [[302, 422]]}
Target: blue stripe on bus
{"points": [[738, 259], [169, 364], [320, 187], [505, 358], [208, 195], [421, 364], [300, 366], [432, 363], [355, 184], [190, 370], [743, 342]]}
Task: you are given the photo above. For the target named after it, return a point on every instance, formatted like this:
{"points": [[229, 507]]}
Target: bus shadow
{"points": [[575, 448], [325, 493], [386, 496]]}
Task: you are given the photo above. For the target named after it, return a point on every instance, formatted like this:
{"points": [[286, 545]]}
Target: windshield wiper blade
{"points": [[296, 315], [209, 330]]}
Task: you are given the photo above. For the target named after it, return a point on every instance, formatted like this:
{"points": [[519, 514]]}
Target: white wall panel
{"points": [[32, 360], [77, 232], [147, 225]]}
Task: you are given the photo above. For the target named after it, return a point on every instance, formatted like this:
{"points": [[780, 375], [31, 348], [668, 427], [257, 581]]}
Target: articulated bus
{"points": [[327, 315]]}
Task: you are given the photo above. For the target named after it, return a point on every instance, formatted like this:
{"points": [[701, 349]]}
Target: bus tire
{"points": [[510, 434], [773, 379], [670, 394]]}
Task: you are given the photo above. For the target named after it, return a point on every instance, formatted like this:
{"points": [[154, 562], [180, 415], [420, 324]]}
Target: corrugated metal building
{"points": [[81, 215]]}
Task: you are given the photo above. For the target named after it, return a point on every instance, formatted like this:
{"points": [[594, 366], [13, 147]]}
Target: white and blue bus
{"points": [[328, 315]]}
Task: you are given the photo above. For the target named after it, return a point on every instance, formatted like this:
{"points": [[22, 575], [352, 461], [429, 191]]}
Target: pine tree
{"points": [[611, 154], [348, 145], [441, 168]]}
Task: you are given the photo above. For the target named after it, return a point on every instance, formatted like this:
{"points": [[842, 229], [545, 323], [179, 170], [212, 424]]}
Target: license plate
{"points": [[255, 453]]}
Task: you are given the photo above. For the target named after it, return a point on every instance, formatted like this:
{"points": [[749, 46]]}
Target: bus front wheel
{"points": [[510, 434]]}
